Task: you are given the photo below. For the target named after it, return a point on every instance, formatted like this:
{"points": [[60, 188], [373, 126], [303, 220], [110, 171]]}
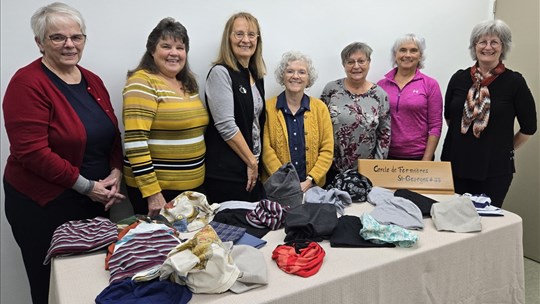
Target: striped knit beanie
{"points": [[267, 214], [81, 236]]}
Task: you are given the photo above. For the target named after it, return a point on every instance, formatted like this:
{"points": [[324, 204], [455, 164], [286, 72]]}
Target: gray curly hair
{"points": [[296, 56]]}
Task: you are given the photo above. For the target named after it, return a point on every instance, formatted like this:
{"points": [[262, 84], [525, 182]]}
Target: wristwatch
{"points": [[311, 179]]}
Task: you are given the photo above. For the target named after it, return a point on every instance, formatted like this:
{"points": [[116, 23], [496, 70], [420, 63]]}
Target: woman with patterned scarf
{"points": [[481, 105]]}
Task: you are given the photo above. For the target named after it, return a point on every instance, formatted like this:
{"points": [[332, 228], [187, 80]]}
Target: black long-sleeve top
{"points": [[493, 153]]}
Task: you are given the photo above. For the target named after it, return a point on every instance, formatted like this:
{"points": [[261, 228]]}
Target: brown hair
{"points": [[167, 27]]}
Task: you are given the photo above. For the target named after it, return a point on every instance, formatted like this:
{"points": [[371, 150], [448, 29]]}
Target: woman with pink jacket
{"points": [[415, 102]]}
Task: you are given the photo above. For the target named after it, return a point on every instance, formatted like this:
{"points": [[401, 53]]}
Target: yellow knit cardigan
{"points": [[319, 139]]}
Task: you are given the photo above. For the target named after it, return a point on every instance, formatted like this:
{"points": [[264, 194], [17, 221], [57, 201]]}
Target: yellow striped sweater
{"points": [[164, 136]]}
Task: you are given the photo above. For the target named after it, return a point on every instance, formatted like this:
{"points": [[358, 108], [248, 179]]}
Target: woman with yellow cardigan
{"points": [[298, 128]]}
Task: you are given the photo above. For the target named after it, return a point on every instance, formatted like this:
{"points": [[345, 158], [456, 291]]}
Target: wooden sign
{"points": [[420, 176]]}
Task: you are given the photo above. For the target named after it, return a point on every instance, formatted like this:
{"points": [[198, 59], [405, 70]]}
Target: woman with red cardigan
{"points": [[65, 152]]}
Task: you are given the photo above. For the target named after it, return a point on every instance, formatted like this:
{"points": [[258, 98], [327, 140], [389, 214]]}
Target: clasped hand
{"points": [[106, 191]]}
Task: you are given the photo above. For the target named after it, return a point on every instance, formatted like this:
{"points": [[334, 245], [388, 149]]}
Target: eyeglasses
{"points": [[61, 39], [493, 43], [352, 62], [291, 72], [240, 35]]}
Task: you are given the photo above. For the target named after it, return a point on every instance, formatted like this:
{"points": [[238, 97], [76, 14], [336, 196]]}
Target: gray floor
{"points": [[532, 282]]}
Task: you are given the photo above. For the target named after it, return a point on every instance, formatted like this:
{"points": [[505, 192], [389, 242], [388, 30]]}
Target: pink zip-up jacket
{"points": [[416, 112]]}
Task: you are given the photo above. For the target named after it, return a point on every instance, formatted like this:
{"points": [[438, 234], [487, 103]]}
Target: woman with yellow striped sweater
{"points": [[164, 121]]}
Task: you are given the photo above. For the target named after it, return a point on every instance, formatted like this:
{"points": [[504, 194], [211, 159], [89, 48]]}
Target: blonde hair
{"points": [[226, 55]]}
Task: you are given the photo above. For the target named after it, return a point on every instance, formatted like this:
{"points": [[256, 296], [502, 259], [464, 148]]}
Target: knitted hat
{"points": [[357, 185], [346, 234], [252, 265], [283, 186], [423, 202], [336, 197], [81, 236], [458, 214], [398, 211], [379, 194], [315, 222], [377, 233], [267, 214]]}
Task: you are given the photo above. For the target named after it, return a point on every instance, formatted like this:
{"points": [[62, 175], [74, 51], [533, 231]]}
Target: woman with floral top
{"points": [[359, 110]]}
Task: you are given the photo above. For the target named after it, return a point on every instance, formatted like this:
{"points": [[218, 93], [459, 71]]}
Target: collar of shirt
{"points": [[282, 103]]}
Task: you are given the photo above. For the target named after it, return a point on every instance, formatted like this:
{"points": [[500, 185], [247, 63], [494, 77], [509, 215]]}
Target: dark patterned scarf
{"points": [[477, 105]]}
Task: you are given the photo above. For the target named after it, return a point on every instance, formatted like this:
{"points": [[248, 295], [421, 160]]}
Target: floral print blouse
{"points": [[361, 123]]}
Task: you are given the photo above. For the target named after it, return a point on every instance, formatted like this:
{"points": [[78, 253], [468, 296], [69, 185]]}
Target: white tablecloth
{"points": [[443, 267]]}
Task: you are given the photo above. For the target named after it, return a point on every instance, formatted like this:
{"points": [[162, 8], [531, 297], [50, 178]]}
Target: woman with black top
{"points": [[235, 99], [481, 105]]}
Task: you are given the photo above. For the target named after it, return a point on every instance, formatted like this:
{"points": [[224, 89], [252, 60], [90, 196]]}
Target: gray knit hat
{"points": [[283, 186], [252, 265], [457, 215]]}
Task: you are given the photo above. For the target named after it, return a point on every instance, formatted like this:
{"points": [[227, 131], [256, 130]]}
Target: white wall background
{"points": [[117, 32]]}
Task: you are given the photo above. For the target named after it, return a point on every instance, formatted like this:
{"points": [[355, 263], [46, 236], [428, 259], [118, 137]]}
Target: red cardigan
{"points": [[47, 138]]}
